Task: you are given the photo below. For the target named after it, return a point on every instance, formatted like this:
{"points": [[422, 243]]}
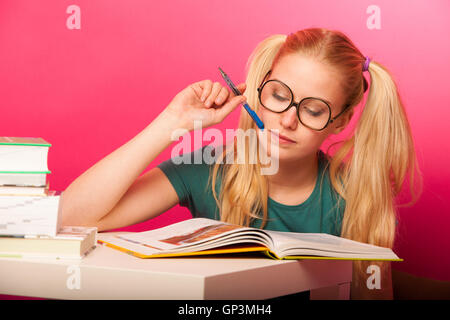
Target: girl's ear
{"points": [[342, 123]]}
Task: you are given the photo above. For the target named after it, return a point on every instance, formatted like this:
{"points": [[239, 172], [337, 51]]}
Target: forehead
{"points": [[308, 77]]}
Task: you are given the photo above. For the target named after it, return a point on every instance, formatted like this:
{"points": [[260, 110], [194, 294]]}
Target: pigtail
{"points": [[383, 153], [380, 157]]}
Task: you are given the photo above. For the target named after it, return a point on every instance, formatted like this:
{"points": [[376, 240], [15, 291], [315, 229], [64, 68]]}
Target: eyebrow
{"points": [[327, 101]]}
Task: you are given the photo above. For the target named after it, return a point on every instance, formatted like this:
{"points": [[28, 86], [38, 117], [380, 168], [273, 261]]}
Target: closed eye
{"points": [[279, 98], [314, 113]]}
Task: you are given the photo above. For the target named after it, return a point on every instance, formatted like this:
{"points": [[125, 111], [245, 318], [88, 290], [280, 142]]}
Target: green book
{"points": [[23, 161]]}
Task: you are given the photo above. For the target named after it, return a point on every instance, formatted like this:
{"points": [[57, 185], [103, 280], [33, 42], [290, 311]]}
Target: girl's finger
{"points": [[213, 95], [222, 96], [241, 87], [197, 90], [228, 107], [206, 86]]}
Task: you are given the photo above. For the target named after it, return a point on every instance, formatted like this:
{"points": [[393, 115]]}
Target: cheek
{"points": [[265, 115], [261, 113], [321, 138], [318, 138], [308, 138]]}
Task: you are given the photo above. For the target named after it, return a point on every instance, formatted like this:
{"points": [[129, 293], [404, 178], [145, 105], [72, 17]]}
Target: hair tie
{"points": [[366, 64], [292, 34]]}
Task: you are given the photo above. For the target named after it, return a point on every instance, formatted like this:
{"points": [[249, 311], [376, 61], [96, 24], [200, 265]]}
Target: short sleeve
{"points": [[189, 175], [175, 175]]}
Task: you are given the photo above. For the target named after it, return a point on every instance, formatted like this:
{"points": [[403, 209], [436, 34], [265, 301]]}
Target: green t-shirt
{"points": [[318, 214]]}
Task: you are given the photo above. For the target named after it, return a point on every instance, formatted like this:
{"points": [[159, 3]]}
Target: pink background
{"points": [[89, 91]]}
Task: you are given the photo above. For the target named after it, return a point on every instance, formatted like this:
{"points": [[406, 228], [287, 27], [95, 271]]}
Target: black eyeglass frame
{"points": [[297, 104]]}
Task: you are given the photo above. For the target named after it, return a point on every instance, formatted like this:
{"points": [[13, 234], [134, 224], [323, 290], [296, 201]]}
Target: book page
{"points": [[287, 241], [182, 236]]}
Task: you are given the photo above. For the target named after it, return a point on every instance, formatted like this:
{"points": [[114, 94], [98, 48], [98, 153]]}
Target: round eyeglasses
{"points": [[314, 113]]}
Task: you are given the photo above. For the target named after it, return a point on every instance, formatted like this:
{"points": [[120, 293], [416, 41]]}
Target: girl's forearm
{"points": [[95, 193]]}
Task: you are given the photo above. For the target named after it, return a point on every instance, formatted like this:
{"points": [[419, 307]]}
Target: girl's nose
{"points": [[289, 119]]}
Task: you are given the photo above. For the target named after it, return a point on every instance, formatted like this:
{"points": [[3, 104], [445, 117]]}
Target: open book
{"points": [[200, 236]]}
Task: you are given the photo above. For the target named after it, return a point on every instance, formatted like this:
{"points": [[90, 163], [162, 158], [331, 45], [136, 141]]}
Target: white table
{"points": [[106, 273]]}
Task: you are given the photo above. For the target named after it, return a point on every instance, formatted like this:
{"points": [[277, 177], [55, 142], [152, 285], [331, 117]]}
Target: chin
{"points": [[284, 155]]}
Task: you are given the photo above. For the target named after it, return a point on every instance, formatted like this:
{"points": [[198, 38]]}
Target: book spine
{"points": [[271, 255]]}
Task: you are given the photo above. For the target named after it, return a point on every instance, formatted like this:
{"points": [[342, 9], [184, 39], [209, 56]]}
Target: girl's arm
{"points": [[110, 194], [92, 196]]}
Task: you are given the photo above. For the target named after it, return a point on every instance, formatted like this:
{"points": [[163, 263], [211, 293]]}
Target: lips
{"points": [[281, 137]]}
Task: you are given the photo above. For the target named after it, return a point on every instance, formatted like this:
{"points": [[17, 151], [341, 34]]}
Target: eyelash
{"points": [[314, 114], [278, 97]]}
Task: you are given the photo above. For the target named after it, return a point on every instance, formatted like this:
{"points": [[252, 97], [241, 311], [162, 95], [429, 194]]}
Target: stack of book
{"points": [[30, 215]]}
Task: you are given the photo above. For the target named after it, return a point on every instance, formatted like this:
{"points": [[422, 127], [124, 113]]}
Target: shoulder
{"points": [[189, 173], [194, 165]]}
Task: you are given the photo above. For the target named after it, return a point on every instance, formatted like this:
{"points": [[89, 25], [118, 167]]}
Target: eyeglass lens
{"points": [[276, 96]]}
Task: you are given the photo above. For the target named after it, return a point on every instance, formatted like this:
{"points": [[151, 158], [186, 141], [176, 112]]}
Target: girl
{"points": [[304, 88]]}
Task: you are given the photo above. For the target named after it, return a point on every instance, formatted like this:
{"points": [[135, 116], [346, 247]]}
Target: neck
{"points": [[294, 176]]}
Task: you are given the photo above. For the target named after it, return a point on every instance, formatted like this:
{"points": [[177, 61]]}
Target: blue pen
{"points": [[235, 90]]}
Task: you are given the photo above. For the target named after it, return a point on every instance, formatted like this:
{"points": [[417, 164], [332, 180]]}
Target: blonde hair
{"points": [[370, 167], [244, 191]]}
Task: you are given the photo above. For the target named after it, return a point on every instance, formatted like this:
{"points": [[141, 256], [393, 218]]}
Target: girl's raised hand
{"points": [[205, 101]]}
